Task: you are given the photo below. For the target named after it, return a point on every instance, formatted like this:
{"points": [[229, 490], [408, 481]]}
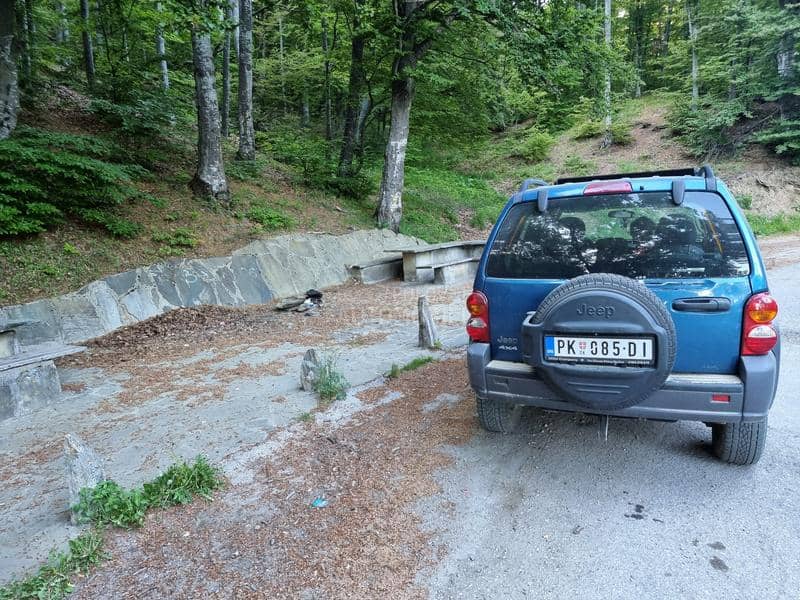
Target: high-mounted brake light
{"points": [[608, 187], [758, 334], [478, 324]]}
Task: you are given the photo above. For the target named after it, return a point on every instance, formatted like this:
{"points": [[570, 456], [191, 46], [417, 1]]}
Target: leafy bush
{"points": [[357, 186], [588, 130], [620, 131], [180, 237], [579, 167], [45, 177], [783, 138], [745, 201], [535, 147], [268, 218], [708, 130], [331, 384], [621, 134], [146, 118]]}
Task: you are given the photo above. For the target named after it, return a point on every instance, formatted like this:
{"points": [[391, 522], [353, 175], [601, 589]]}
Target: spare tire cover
{"points": [[601, 306]]}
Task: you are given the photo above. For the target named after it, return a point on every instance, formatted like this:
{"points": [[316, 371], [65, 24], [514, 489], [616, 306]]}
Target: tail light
{"points": [[759, 336], [478, 324]]}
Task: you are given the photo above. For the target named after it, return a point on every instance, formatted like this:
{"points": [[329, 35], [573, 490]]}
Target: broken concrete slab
{"points": [[28, 388], [309, 370], [84, 470]]}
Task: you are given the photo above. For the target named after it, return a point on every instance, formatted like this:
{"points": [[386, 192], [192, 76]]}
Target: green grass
{"points": [[418, 362], [435, 196], [773, 225]]}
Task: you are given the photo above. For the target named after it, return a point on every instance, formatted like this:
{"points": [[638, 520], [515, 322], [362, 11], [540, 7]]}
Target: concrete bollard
{"points": [[428, 336]]}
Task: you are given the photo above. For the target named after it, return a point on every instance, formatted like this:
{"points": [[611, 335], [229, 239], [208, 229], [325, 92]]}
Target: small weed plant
{"points": [[331, 384], [110, 504]]}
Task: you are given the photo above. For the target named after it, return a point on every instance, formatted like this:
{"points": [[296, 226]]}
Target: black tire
{"points": [[645, 303], [498, 416], [739, 443]]}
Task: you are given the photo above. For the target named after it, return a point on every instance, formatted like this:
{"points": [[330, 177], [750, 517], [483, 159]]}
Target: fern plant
{"points": [[46, 177], [784, 139]]}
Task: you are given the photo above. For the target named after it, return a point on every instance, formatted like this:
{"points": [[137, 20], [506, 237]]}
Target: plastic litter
{"points": [[319, 503]]}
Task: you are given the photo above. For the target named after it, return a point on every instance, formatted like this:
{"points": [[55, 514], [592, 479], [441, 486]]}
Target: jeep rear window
{"points": [[641, 235]]}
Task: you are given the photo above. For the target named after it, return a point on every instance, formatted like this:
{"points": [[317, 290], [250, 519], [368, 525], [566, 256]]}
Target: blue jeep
{"points": [[639, 295]]}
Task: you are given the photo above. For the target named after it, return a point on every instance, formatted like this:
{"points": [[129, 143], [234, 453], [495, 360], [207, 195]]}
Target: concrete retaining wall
{"points": [[260, 272]]}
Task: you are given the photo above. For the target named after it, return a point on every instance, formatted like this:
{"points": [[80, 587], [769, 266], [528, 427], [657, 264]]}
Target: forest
{"points": [[135, 129]]}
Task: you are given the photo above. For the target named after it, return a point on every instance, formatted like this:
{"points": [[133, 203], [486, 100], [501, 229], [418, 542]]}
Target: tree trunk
{"points": [[328, 111], [209, 181], [235, 19], [305, 116], [161, 51], [247, 142], [607, 137], [363, 113], [355, 91], [27, 53], [282, 57], [62, 32], [390, 208], [88, 51], [786, 59], [9, 90], [226, 82], [695, 67]]}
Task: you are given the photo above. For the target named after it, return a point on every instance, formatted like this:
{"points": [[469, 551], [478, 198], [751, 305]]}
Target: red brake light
{"points": [[478, 324], [608, 187], [758, 334]]}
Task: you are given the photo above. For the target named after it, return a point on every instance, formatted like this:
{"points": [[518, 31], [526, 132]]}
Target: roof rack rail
{"points": [[666, 173], [529, 183]]}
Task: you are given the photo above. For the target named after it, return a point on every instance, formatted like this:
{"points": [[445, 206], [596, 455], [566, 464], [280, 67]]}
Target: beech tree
{"points": [[209, 181], [9, 90], [247, 141], [418, 24]]}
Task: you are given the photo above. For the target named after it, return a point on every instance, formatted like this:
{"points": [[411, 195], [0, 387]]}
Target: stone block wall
{"points": [[256, 274]]}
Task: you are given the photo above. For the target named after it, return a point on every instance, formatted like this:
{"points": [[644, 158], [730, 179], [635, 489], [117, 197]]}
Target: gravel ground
{"points": [[213, 381]]}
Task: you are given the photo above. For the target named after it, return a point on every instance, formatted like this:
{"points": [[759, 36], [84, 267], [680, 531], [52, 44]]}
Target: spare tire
{"points": [[601, 313]]}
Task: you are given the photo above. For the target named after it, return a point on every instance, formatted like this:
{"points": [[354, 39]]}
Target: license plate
{"points": [[599, 350]]}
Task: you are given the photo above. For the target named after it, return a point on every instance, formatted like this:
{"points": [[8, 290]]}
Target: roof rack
{"points": [[531, 183], [705, 171]]}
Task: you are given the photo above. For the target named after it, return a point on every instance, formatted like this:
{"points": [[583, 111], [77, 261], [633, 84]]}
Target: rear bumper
{"points": [[683, 397]]}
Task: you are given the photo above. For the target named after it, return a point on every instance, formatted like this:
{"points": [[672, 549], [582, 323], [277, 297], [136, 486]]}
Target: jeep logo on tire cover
{"points": [[596, 311]]}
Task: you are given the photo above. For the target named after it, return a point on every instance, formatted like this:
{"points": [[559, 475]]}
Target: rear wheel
{"points": [[498, 416], [739, 443]]}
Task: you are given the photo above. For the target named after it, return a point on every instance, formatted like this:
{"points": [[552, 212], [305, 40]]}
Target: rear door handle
{"points": [[704, 305]]}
